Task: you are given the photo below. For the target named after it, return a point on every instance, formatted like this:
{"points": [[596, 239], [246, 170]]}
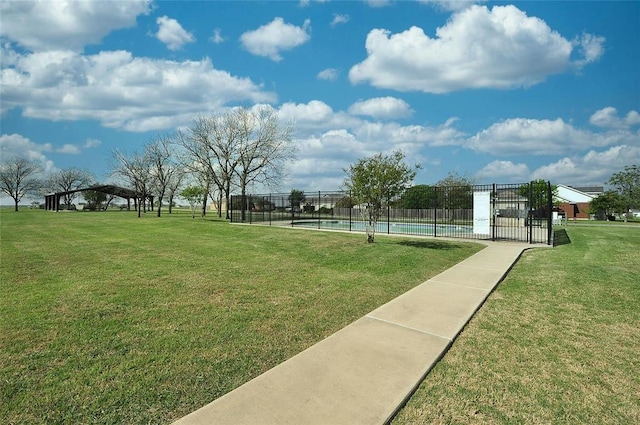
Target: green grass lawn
{"points": [[107, 318], [557, 342]]}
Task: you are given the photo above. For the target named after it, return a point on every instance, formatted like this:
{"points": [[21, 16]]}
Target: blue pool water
{"points": [[384, 227]]}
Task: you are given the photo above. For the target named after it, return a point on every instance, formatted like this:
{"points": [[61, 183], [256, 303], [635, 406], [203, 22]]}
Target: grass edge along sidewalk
{"points": [[106, 318], [362, 373], [557, 342]]}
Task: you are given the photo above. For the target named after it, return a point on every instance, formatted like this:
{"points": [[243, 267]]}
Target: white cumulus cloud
{"points": [[66, 24], [378, 3], [171, 33], [328, 140], [272, 38], [452, 5], [13, 145], [382, 107], [69, 149], [525, 136], [315, 116], [217, 37], [315, 111], [591, 48], [608, 118], [120, 90], [92, 143], [329, 74], [592, 168], [503, 171], [409, 138], [479, 47], [339, 19]]}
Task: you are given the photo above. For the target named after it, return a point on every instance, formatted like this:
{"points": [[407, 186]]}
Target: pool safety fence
{"points": [[509, 212]]}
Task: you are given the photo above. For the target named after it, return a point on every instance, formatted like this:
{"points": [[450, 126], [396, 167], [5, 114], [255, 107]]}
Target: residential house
{"points": [[574, 201]]}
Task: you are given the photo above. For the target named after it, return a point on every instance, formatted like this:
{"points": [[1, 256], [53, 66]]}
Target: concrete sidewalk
{"points": [[363, 373]]}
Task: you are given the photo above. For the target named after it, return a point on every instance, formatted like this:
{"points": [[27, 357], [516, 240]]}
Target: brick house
{"points": [[574, 201]]}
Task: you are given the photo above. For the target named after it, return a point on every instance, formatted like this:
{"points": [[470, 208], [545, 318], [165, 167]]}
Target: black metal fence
{"points": [[511, 212]]}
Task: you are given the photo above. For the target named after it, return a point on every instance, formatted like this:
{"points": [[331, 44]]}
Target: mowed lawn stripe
{"points": [[107, 318], [557, 342]]}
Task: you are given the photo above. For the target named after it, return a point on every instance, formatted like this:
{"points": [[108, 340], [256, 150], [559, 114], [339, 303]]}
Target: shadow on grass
{"points": [[560, 237], [429, 244]]}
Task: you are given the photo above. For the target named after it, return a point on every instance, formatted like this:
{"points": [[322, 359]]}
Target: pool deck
{"points": [[364, 373]]}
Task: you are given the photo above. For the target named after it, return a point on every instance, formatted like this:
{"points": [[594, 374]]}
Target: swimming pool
{"points": [[428, 229]]}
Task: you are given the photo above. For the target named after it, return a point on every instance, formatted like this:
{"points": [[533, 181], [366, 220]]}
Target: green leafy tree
{"points": [[536, 191], [454, 192], [421, 196], [455, 179], [374, 181], [194, 195], [296, 198], [627, 183], [345, 202], [608, 203], [17, 178]]}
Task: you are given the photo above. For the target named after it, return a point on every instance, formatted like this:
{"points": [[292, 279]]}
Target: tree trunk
{"points": [[371, 231], [204, 200], [159, 205], [243, 206], [227, 195], [108, 202], [16, 201], [204, 205], [170, 203]]}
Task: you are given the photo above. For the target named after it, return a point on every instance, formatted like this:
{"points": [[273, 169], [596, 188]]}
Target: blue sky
{"points": [[497, 91]]}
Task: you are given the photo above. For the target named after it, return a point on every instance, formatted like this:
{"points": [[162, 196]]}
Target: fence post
{"points": [[350, 209], [291, 209], [530, 214], [435, 212], [388, 217], [549, 213], [318, 207], [494, 195], [248, 206]]}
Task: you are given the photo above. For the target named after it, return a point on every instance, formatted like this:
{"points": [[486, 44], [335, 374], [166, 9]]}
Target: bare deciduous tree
{"points": [[264, 149], [135, 169], [68, 180], [17, 178], [174, 184], [200, 156], [162, 166], [241, 147]]}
